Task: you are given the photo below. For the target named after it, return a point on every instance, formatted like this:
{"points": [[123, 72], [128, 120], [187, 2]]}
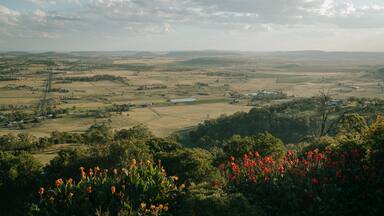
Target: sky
{"points": [[163, 25]]}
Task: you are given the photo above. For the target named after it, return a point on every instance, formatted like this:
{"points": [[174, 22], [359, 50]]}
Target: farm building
{"points": [[183, 100]]}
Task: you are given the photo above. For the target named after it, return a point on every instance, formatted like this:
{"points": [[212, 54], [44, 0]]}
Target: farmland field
{"points": [[84, 89]]}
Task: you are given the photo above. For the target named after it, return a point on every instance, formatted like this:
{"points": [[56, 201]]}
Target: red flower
{"points": [[315, 181], [280, 169], [257, 154], [289, 153], [231, 158], [265, 170], [319, 156], [58, 182], [338, 174], [235, 168], [309, 155], [41, 191]]}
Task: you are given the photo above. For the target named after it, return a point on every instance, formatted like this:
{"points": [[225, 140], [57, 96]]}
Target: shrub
{"points": [[136, 132], [192, 165], [207, 200], [321, 183], [121, 153], [140, 189], [19, 174], [264, 143], [98, 134]]}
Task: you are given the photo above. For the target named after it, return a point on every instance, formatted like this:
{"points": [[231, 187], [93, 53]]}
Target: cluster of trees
{"points": [[96, 78], [290, 121], [253, 174], [21, 117], [23, 142]]}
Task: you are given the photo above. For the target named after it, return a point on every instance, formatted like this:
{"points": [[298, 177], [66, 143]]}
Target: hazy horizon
{"points": [[185, 50]]}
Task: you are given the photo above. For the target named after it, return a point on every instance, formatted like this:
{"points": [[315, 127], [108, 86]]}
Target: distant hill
{"points": [[206, 53], [212, 61]]}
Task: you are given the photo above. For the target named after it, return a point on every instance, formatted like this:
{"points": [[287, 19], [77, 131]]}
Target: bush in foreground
{"points": [[140, 189]]}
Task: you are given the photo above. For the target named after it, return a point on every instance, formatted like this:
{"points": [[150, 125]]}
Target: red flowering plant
{"points": [[314, 182], [141, 189]]}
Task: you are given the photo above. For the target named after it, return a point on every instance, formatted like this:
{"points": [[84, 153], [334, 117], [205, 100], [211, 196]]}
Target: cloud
{"points": [[8, 16], [137, 17]]}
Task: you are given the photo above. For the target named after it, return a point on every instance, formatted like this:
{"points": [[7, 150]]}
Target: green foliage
{"points": [[29, 143], [121, 153], [66, 163], [375, 139], [98, 134], [57, 137], [137, 190], [191, 165], [19, 176], [169, 144], [264, 143], [207, 200], [320, 143], [318, 183], [350, 124], [289, 122], [136, 132], [341, 173]]}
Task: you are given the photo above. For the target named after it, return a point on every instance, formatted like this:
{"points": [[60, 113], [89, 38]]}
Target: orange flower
{"points": [[149, 162], [97, 169], [165, 208], [41, 191], [161, 206], [113, 189], [58, 182], [89, 189], [182, 186], [133, 162], [175, 178], [153, 206], [142, 205], [83, 175], [69, 181], [90, 172]]}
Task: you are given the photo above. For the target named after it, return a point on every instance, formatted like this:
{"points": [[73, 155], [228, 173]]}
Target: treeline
{"points": [[21, 118], [94, 78], [290, 121], [23, 142]]}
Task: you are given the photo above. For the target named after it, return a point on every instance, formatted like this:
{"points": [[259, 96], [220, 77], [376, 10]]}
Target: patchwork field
{"points": [[40, 93]]}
